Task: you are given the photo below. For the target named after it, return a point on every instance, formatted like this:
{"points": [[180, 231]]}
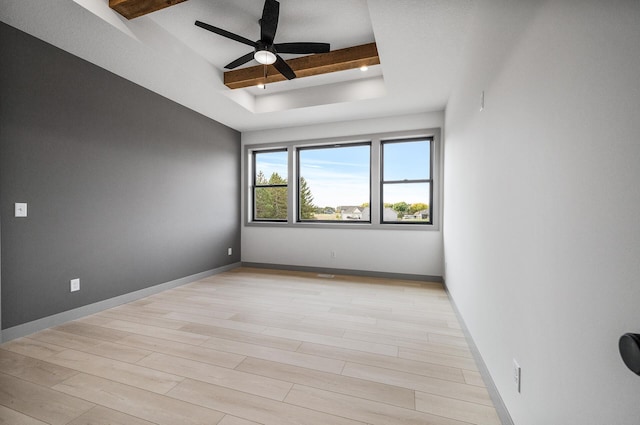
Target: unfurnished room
{"points": [[297, 212]]}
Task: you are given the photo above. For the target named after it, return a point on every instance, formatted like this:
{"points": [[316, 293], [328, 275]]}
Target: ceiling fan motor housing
{"points": [[265, 53]]}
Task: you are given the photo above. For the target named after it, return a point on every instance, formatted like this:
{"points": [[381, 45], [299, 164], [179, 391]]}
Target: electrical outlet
{"points": [[74, 285], [229, 251], [21, 209], [517, 374], [333, 254]]}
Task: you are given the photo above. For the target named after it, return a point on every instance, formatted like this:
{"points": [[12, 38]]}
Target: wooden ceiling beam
{"points": [[134, 8], [306, 66]]}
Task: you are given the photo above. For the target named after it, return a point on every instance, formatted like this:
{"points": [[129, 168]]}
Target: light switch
{"points": [[21, 209]]}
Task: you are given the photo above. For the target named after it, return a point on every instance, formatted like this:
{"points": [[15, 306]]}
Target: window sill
{"points": [[349, 226]]}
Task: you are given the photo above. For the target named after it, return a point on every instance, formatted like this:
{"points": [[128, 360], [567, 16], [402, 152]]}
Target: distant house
{"points": [[421, 215], [364, 213], [351, 212], [388, 214]]}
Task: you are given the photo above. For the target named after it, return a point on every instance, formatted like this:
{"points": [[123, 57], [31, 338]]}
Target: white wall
{"points": [[542, 190], [393, 251]]}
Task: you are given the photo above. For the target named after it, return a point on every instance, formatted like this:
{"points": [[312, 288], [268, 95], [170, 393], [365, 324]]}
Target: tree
{"points": [[271, 201], [307, 208], [271, 198], [419, 206], [401, 208]]}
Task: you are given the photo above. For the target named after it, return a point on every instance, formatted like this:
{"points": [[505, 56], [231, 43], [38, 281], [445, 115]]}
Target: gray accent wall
{"points": [[125, 189]]}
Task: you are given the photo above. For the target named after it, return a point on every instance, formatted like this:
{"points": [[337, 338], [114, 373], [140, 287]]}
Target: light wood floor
{"points": [[253, 347]]}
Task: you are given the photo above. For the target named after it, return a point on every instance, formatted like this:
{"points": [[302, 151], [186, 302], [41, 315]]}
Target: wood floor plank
{"points": [[242, 336], [300, 308], [456, 341], [126, 373], [229, 378], [11, 417], [274, 292], [33, 370], [155, 408], [473, 378], [369, 347], [254, 408], [156, 332], [292, 322], [361, 410], [232, 420], [100, 415], [393, 363], [346, 318], [92, 331], [464, 411], [411, 317], [146, 310], [94, 319], [425, 384], [437, 358], [374, 391], [239, 301], [402, 342], [39, 402], [220, 323], [170, 305], [186, 351], [352, 326], [66, 339], [85, 344], [33, 348], [161, 322], [394, 325], [267, 353]]}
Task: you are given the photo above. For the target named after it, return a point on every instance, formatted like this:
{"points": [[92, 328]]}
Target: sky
{"points": [[340, 176]]}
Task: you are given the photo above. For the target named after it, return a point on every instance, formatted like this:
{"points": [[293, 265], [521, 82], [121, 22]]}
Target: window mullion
{"points": [[293, 183], [376, 178]]}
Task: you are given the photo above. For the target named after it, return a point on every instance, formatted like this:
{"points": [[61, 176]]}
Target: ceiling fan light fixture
{"points": [[264, 57]]}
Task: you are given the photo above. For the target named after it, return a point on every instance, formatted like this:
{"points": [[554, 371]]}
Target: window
{"points": [[270, 176], [406, 181], [334, 183], [377, 181]]}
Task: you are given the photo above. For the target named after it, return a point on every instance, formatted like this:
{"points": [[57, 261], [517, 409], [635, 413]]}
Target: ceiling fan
{"points": [[265, 51]]}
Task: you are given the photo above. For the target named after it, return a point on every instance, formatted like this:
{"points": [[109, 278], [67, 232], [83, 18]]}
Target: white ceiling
{"points": [[420, 43]]}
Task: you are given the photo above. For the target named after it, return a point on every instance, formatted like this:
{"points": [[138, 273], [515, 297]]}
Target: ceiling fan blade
{"points": [[269, 21], [240, 61], [226, 33], [284, 68], [302, 48]]}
